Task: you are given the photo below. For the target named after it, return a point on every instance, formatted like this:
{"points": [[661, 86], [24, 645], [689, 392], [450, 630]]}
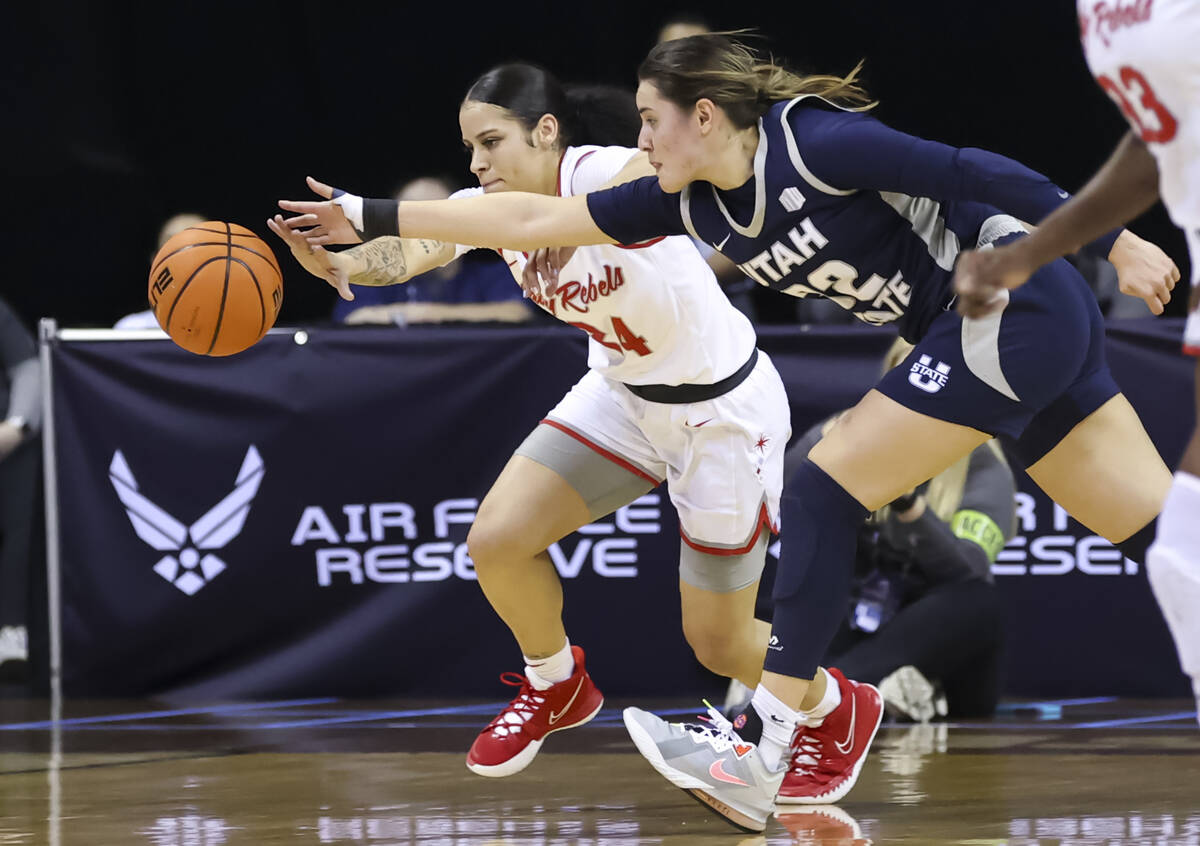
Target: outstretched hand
{"points": [[546, 263], [1143, 270], [330, 221], [315, 259]]}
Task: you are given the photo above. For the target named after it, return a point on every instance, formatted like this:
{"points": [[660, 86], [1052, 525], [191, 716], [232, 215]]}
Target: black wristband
{"points": [[379, 218]]}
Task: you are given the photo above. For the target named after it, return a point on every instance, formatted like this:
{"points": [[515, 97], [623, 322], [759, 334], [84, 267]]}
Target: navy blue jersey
{"points": [[841, 206]]}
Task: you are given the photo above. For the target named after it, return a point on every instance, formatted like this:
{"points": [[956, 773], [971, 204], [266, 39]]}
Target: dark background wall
{"points": [[119, 115]]}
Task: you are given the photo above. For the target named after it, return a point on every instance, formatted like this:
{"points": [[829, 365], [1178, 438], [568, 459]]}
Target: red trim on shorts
{"points": [[611, 456], [764, 519], [1188, 350]]}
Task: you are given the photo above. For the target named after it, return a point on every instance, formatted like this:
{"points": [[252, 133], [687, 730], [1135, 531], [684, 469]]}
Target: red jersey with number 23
{"points": [[1146, 55]]}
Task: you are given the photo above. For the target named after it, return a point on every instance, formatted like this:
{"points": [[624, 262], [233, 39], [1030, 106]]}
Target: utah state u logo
{"points": [[929, 379]]}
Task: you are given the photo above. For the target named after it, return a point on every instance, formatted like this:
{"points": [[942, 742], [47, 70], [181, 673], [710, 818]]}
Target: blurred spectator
{"points": [[173, 226], [477, 288], [20, 465], [681, 26]]}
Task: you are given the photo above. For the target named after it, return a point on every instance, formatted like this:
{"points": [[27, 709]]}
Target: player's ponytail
{"points": [[603, 115], [742, 83], [593, 114]]}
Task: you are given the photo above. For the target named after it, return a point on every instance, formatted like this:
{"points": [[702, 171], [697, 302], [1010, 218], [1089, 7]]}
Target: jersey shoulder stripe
{"points": [[794, 150]]}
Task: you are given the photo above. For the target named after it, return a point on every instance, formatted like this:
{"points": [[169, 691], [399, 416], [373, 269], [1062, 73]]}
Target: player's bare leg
{"points": [[528, 508], [879, 449], [1106, 472], [722, 631]]}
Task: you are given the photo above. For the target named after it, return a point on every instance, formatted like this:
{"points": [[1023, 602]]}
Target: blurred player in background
{"points": [[1146, 56], [681, 25]]}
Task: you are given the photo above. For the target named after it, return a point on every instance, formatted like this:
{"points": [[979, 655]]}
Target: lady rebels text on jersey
{"points": [[842, 206], [1146, 55], [654, 312]]}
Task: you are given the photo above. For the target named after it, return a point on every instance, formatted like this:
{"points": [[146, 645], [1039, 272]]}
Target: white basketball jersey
{"points": [[654, 312], [1146, 55]]}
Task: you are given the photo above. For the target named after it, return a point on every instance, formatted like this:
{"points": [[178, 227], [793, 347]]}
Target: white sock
{"points": [[544, 673], [779, 724], [828, 704]]}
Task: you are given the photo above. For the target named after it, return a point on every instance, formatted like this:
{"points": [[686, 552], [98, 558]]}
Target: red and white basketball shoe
{"points": [[511, 741], [827, 759]]}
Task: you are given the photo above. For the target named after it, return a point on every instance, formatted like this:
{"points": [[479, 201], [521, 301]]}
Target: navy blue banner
{"points": [[291, 521]]}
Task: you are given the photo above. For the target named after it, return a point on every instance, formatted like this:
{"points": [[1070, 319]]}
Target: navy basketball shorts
{"points": [[1028, 373]]}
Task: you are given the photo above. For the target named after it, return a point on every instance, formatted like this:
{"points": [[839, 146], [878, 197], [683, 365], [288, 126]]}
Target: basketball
{"points": [[215, 288]]}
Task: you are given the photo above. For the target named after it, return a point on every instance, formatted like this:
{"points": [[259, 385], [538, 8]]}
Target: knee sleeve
{"points": [[1134, 547], [1177, 524], [820, 523], [1173, 567], [1175, 579], [722, 573]]}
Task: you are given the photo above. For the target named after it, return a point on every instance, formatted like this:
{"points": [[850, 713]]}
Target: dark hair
{"points": [[737, 79], [587, 114]]}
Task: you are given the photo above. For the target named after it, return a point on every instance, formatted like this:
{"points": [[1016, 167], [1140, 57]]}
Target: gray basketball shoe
{"points": [[710, 762]]}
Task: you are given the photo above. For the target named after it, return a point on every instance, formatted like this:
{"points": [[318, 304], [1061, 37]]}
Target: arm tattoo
{"points": [[385, 260]]}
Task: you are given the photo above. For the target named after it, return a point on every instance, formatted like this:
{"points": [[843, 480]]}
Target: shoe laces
{"points": [[807, 752], [512, 719], [718, 733]]}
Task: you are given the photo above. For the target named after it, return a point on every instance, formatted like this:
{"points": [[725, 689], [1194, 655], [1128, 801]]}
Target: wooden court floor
{"points": [[319, 771]]}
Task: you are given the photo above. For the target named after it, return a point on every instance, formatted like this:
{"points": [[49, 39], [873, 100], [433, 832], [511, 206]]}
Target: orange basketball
{"points": [[215, 288]]}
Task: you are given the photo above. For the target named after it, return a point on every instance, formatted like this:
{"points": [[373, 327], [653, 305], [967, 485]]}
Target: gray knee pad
{"points": [[723, 573], [603, 484]]}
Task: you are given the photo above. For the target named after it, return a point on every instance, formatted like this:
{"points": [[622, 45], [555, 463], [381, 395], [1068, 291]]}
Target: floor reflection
{"points": [[327, 772], [821, 825]]}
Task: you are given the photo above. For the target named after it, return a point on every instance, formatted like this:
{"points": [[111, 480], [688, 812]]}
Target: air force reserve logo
{"points": [[189, 570]]}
